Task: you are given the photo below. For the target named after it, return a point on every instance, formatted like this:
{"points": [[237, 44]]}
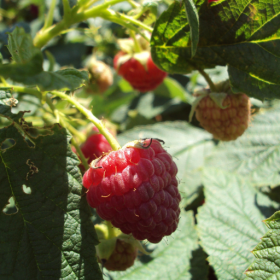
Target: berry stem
{"points": [[125, 21], [98, 123], [111, 230], [208, 80], [80, 153], [136, 43]]}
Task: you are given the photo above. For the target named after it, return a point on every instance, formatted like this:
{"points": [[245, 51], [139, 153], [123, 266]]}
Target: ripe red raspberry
{"points": [[210, 1], [139, 70], [122, 257], [95, 146], [226, 123], [136, 189]]}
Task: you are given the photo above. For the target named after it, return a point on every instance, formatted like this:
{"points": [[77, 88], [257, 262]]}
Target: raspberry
{"points": [[226, 123], [122, 257], [101, 77], [136, 189], [139, 70], [95, 146]]}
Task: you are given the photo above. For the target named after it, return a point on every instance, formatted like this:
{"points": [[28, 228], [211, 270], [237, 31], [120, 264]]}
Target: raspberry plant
{"points": [[58, 83]]}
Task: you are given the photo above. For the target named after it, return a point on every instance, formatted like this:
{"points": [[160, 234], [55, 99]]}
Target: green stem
{"points": [[133, 4], [80, 153], [136, 43], [208, 80], [98, 123], [49, 18], [25, 90], [66, 10], [65, 124], [131, 20], [111, 230], [45, 35], [87, 5], [122, 20]]}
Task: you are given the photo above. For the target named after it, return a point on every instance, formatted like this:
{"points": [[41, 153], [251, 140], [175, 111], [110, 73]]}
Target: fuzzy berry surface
{"points": [[137, 190], [122, 257], [225, 124], [95, 146], [135, 73]]}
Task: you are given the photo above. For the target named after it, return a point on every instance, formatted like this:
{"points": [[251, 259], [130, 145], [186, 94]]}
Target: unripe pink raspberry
{"points": [[122, 257], [225, 124], [136, 189], [224, 114]]}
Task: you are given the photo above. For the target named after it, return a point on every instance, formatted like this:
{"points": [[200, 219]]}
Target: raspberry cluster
{"points": [[229, 122], [122, 257], [136, 189]]}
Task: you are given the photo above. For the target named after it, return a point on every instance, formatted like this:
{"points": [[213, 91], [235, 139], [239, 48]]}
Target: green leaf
{"points": [[256, 154], [47, 231], [266, 252], [28, 67], [180, 257], [229, 223], [188, 146], [193, 20], [20, 46], [31, 73], [241, 34], [252, 85]]}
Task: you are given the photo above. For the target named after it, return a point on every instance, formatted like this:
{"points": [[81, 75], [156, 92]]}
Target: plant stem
{"points": [[80, 153], [49, 18], [65, 124], [26, 90], [98, 123], [111, 230], [136, 43], [66, 10], [208, 80], [45, 35], [132, 20], [117, 18]]}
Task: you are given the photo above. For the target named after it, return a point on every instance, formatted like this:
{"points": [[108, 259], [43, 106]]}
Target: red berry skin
{"points": [[135, 73], [95, 146], [122, 257], [210, 1], [225, 124], [137, 190]]}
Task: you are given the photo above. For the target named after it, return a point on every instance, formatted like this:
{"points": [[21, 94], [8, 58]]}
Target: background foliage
{"points": [[227, 189]]}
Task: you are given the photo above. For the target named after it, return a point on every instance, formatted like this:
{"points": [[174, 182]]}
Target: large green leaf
{"points": [[188, 146], [266, 252], [45, 225], [178, 257], [28, 67], [256, 154], [242, 34], [229, 223]]}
